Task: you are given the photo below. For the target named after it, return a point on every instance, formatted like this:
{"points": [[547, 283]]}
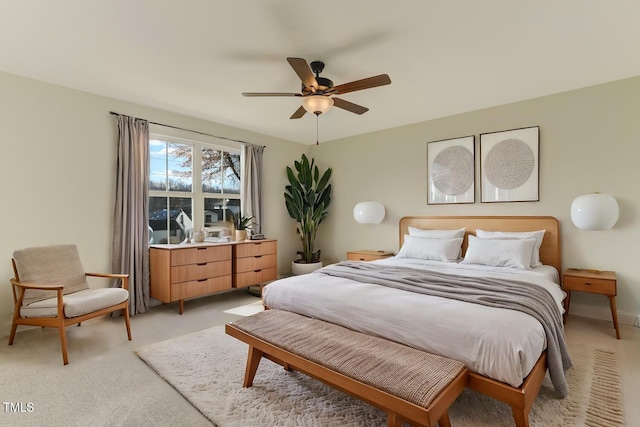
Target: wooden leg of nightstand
{"points": [[614, 314], [567, 302]]}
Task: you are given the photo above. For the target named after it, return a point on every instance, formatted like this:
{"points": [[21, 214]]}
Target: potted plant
{"points": [[241, 224], [307, 198]]}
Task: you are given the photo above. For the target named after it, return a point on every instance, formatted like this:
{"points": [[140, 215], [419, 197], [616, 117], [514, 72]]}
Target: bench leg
{"points": [[444, 420], [393, 420], [521, 416], [253, 360]]}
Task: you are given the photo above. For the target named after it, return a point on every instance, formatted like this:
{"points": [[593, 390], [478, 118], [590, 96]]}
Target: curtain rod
{"points": [[187, 130]]}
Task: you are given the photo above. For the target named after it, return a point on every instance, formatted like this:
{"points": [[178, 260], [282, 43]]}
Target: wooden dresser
{"points": [[254, 262], [181, 271], [178, 272]]}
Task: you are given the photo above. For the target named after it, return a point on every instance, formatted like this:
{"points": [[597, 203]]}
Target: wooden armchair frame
{"points": [[60, 321]]}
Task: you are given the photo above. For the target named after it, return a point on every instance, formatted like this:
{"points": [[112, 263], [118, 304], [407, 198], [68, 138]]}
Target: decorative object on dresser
{"points": [[307, 198], [242, 224], [451, 171], [368, 212], [509, 165], [594, 282], [367, 255], [594, 211]]}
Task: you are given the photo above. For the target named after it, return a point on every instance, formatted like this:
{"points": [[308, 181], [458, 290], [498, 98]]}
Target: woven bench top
{"points": [[412, 375]]}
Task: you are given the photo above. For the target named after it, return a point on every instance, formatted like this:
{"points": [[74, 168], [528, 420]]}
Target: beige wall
{"points": [[58, 174], [59, 149], [589, 141]]}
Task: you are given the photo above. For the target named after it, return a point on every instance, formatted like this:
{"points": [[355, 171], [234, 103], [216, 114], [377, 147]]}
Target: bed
{"points": [[507, 350]]}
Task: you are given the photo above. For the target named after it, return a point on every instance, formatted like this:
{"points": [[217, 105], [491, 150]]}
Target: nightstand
{"points": [[595, 282], [368, 255]]}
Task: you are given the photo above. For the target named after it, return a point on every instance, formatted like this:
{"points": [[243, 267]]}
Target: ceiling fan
{"points": [[318, 92]]}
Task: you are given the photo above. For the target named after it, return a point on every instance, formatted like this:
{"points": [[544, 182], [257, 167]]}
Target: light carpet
{"points": [[207, 368], [247, 309]]}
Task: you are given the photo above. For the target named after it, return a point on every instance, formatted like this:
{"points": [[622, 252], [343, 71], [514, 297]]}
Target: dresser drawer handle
{"points": [[202, 249], [202, 280], [587, 283], [202, 263], [257, 271], [258, 256], [361, 259]]}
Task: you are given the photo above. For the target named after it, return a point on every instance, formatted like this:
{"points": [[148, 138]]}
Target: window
{"points": [[191, 185]]}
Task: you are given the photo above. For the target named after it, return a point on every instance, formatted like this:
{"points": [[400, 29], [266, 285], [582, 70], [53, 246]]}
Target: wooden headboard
{"points": [[549, 251]]}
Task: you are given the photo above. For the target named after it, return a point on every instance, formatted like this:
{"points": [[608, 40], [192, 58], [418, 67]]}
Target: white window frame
{"points": [[197, 142]]}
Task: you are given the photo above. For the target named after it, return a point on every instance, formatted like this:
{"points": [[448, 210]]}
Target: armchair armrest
{"points": [[124, 277], [27, 285]]}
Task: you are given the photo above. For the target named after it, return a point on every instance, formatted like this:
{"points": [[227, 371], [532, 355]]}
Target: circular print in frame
{"points": [[452, 170], [509, 164]]}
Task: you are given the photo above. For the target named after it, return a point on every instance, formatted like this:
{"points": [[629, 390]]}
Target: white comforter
{"points": [[498, 343]]}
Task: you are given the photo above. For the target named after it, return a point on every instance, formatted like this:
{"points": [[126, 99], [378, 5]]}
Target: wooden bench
{"points": [[410, 385]]}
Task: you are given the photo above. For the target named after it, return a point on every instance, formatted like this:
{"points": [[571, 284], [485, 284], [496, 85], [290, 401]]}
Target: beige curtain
{"points": [[130, 246], [252, 204]]}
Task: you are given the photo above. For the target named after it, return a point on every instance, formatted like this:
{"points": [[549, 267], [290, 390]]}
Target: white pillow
{"points": [[538, 235], [436, 234], [430, 249], [514, 253]]}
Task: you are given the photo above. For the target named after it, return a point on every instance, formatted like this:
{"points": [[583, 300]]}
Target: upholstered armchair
{"points": [[50, 289]]}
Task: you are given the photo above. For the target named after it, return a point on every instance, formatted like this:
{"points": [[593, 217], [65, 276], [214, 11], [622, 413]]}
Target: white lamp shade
{"points": [[369, 212], [317, 104], [594, 211]]}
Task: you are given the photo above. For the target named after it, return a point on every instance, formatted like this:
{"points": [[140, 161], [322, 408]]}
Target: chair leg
{"points": [[63, 342], [12, 335], [126, 320]]}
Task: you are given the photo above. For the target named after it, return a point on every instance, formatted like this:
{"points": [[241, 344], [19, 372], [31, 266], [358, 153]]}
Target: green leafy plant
{"points": [[307, 198], [242, 222]]}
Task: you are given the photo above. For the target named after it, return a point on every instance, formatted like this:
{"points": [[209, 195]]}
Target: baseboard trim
{"points": [[602, 313]]}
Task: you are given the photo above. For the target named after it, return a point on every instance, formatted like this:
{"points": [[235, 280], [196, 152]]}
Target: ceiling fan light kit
{"points": [[318, 92], [317, 104]]}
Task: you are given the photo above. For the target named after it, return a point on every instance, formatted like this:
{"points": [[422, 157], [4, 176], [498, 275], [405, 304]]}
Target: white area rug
{"points": [[247, 309], [207, 367]]}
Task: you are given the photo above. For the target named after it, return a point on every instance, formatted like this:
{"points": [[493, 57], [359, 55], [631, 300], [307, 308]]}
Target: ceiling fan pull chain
{"points": [[317, 138]]}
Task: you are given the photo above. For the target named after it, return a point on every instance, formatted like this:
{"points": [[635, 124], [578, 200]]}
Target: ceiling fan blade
{"points": [[299, 113], [303, 71], [270, 94], [349, 106], [381, 80]]}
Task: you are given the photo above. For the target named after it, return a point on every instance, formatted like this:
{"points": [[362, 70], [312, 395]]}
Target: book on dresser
{"points": [[182, 271]]}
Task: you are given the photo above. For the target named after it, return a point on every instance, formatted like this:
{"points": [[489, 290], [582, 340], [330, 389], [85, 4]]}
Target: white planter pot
{"points": [[298, 268]]}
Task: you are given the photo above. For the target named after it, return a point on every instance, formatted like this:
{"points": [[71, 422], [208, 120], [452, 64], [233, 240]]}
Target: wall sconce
{"points": [[369, 212], [594, 211]]}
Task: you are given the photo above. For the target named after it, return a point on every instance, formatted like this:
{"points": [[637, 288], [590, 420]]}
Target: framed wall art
{"points": [[509, 165], [451, 171]]}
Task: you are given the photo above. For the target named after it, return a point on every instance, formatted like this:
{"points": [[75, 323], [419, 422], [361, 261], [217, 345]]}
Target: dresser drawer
{"points": [[196, 288], [248, 278], [205, 270], [254, 263], [593, 285], [200, 255], [255, 248]]}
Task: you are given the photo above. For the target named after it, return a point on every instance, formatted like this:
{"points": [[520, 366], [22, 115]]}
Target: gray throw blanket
{"points": [[493, 292]]}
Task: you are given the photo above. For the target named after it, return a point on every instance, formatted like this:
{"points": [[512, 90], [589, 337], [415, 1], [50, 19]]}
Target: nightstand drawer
{"points": [[367, 255], [593, 285]]}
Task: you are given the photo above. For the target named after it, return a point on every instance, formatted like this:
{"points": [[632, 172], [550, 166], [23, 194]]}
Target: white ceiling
{"points": [[195, 57]]}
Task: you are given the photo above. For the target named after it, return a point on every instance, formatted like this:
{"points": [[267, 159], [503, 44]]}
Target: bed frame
{"points": [[520, 399]]}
